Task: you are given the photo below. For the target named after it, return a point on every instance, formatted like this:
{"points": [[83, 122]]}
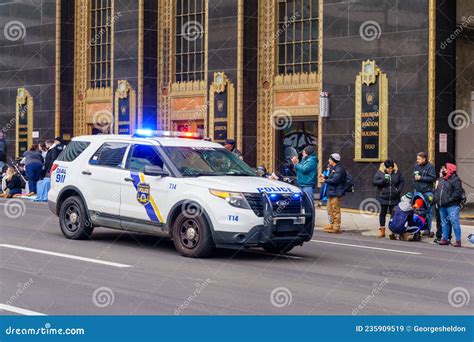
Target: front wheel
{"points": [[73, 219], [278, 249], [192, 236]]}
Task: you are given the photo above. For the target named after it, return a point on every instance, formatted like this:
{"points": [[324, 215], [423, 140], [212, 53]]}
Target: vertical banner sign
{"points": [[371, 114], [324, 104], [221, 111], [24, 121], [125, 108]]}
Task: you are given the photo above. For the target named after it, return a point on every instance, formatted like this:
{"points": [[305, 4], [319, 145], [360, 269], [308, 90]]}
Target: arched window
{"points": [[100, 45], [297, 36], [190, 23]]}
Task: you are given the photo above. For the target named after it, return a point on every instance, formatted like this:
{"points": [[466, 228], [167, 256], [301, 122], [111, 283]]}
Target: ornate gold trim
{"points": [[367, 77], [165, 48], [23, 97], [302, 81], [57, 99], [222, 83], [432, 81], [240, 74], [320, 72], [185, 89], [125, 90], [141, 46]]}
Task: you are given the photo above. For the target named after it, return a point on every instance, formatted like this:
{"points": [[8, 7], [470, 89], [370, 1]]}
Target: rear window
{"points": [[110, 155], [73, 150]]}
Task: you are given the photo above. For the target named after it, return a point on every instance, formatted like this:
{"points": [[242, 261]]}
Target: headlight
{"points": [[235, 199]]}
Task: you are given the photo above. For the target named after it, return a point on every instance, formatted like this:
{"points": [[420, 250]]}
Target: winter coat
{"points": [[388, 190], [51, 156], [14, 183], [306, 171], [336, 181], [3, 150], [428, 177], [449, 191], [33, 157]]}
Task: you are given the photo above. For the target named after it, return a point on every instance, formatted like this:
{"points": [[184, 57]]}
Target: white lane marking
{"points": [[68, 256], [5, 307], [366, 247]]}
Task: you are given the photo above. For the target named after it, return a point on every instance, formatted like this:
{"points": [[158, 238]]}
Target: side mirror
{"points": [[155, 171]]}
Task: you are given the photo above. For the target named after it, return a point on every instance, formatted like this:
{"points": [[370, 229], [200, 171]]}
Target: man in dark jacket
{"points": [[3, 151], [336, 189], [389, 183], [448, 197], [424, 177], [54, 150]]}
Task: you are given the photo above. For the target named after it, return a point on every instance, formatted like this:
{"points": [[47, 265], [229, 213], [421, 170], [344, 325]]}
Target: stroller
{"points": [[409, 217]]}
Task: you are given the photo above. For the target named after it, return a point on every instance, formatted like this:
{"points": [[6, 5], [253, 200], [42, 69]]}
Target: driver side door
{"points": [[143, 198]]}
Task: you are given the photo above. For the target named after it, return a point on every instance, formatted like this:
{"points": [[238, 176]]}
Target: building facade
{"points": [[367, 79]]}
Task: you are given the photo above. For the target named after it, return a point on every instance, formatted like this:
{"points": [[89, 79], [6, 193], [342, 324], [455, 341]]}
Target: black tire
{"points": [[279, 249], [73, 219], [192, 236]]}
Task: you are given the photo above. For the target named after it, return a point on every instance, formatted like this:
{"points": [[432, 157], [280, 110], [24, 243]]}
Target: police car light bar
{"points": [[149, 133]]}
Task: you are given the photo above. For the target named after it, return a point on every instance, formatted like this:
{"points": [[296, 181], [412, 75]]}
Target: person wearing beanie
{"points": [[389, 183], [424, 177], [306, 171], [448, 198], [336, 189]]}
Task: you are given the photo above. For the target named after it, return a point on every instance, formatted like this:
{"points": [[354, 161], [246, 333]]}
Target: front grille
{"points": [[283, 204]]}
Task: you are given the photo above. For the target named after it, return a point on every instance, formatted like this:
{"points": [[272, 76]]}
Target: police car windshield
{"points": [[205, 161]]}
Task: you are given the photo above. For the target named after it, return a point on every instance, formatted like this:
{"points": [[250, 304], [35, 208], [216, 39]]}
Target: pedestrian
{"points": [[43, 150], [448, 196], [336, 189], [389, 183], [11, 183], [306, 171], [54, 150], [424, 177], [33, 161], [439, 228], [3, 151], [231, 147]]}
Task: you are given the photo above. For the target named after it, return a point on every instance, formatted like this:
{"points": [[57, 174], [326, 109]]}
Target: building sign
{"points": [[125, 108], [371, 114], [24, 121], [443, 143], [222, 102]]}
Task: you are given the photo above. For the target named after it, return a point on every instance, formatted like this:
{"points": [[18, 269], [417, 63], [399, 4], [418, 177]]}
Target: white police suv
{"points": [[166, 184]]}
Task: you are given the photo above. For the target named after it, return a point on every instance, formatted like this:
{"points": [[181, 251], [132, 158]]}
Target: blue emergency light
{"points": [[149, 133]]}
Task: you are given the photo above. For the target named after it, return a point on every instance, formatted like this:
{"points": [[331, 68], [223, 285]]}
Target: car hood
{"points": [[242, 184]]}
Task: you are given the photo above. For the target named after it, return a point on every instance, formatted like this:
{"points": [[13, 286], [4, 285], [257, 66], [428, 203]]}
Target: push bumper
{"points": [[278, 228]]}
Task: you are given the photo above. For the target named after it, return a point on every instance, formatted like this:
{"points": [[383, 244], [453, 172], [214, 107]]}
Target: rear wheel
{"points": [[279, 249], [192, 236], [73, 219]]}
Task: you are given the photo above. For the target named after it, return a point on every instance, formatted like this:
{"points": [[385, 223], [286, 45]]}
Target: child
{"points": [[12, 183]]}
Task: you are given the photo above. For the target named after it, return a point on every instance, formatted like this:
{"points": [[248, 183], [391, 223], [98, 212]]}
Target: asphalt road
{"points": [[131, 274]]}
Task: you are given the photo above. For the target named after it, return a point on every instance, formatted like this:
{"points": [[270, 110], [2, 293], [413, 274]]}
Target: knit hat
{"points": [[335, 157]]}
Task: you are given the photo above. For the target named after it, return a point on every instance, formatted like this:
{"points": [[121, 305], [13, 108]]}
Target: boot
{"points": [[457, 243], [392, 237], [443, 242], [381, 232], [406, 237], [327, 227], [335, 231]]}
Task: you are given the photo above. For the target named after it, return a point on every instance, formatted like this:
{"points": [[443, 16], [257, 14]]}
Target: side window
{"points": [[73, 150], [143, 155], [109, 155]]}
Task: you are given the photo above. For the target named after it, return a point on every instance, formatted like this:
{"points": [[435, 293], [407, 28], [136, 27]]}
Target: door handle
{"points": [[87, 173], [128, 179]]}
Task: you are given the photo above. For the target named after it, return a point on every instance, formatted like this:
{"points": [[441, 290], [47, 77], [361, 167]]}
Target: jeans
{"points": [[439, 228], [383, 213], [450, 217], [310, 191], [33, 172]]}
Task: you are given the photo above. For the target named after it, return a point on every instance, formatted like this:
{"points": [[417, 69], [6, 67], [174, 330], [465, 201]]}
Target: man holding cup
{"points": [[424, 177]]}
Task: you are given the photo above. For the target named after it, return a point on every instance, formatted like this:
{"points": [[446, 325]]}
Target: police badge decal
{"points": [[143, 193]]}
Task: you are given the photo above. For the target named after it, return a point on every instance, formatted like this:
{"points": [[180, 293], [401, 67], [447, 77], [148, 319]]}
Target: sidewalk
{"points": [[368, 224]]}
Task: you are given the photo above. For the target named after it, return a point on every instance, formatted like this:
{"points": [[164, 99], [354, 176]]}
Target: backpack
{"points": [[398, 221], [463, 200], [349, 187]]}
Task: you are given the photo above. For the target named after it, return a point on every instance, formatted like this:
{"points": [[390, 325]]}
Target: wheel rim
{"points": [[72, 218], [189, 233]]}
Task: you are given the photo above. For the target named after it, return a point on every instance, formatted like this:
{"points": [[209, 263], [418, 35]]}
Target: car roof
{"points": [[164, 141]]}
